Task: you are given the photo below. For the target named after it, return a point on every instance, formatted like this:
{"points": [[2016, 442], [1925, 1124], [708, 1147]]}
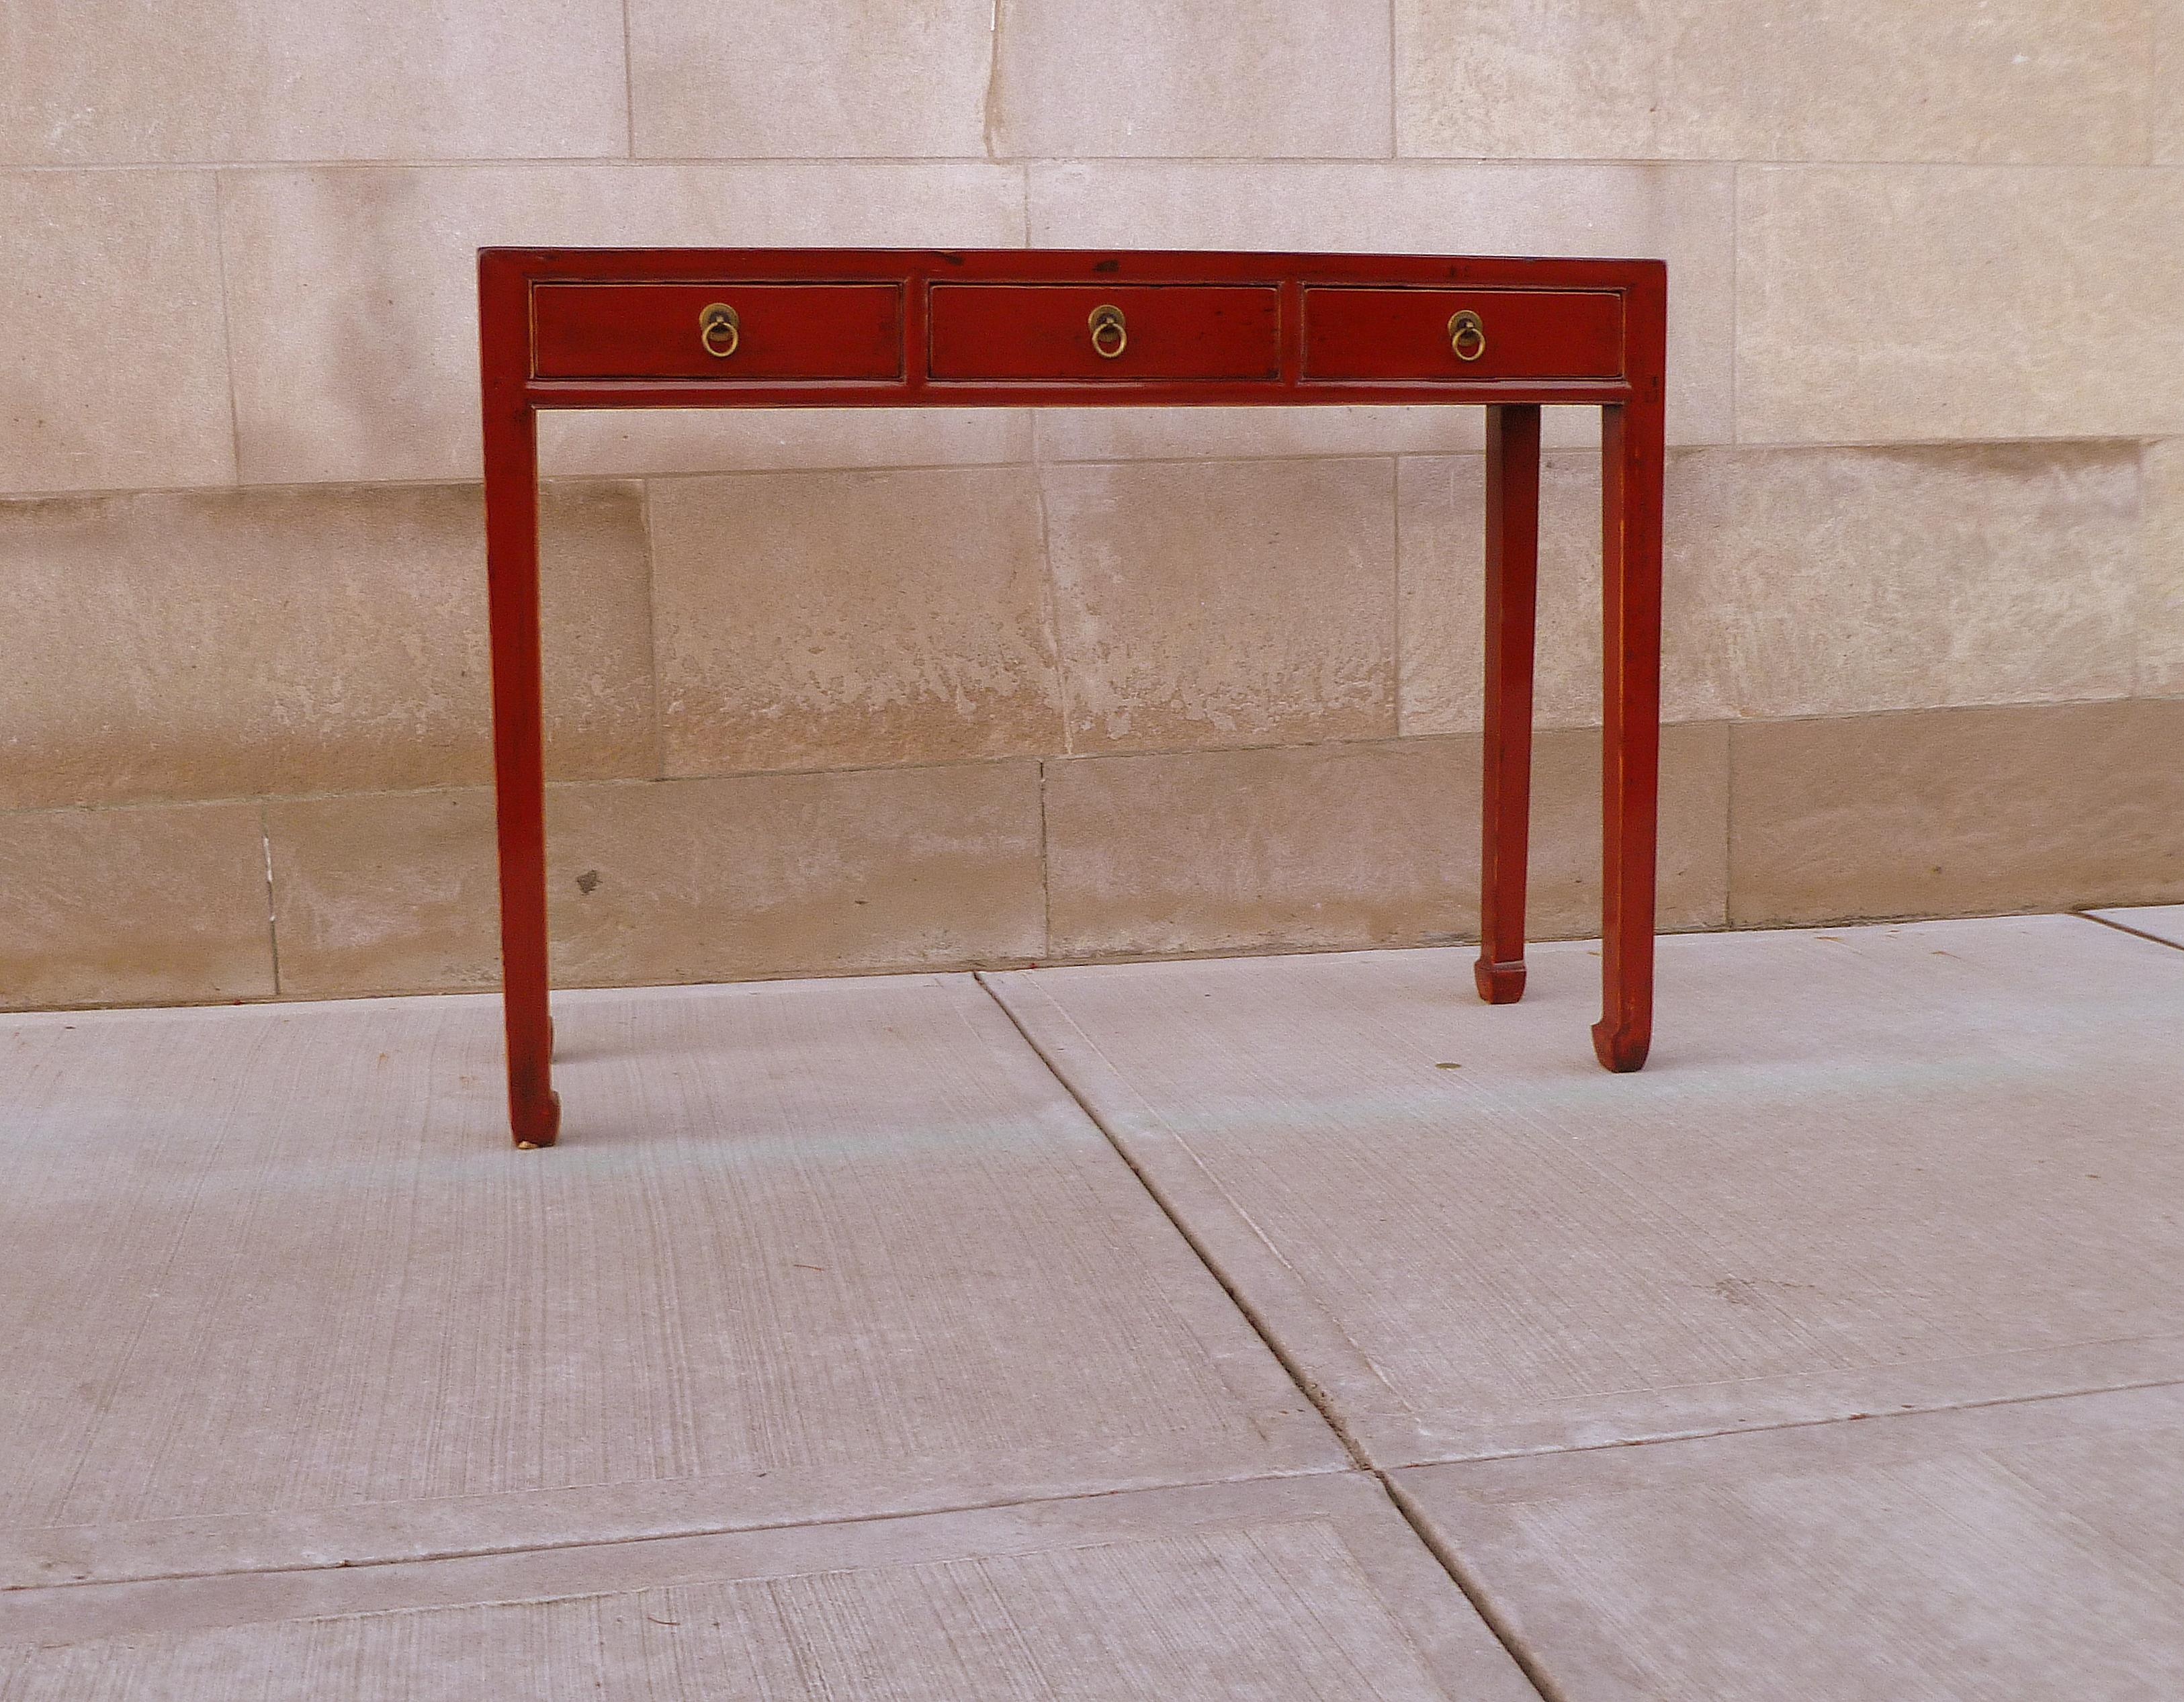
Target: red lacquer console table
{"points": [[1013, 328]]}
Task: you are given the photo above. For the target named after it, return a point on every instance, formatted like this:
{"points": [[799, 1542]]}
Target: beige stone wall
{"points": [[833, 692]]}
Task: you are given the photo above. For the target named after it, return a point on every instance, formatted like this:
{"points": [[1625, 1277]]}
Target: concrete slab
{"points": [[2163, 922], [1299, 1590], [2035, 1549], [277, 1293], [1868, 1170]]}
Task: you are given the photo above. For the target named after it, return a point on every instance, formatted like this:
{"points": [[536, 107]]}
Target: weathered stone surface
{"points": [[1960, 811], [1236, 603], [203, 644], [1110, 79], [845, 619], [2003, 81], [1877, 303], [1350, 845], [92, 398], [128, 906]]}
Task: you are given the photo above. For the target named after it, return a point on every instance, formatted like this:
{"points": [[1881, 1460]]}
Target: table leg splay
{"points": [[848, 328]]}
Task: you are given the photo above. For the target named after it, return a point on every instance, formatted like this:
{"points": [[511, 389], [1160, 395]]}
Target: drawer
{"points": [[769, 331], [1028, 332], [1398, 334]]}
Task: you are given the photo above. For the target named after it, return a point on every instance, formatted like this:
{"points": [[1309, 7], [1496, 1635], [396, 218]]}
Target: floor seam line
{"points": [[611, 1542], [1325, 1405], [1681, 1436], [1295, 1373], [1472, 1589], [2125, 928]]}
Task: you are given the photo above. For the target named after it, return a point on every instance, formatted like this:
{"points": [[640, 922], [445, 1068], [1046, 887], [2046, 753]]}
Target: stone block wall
{"points": [[834, 693]]}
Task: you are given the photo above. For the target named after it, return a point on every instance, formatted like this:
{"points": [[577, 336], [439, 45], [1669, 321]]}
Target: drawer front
{"points": [[773, 333], [1398, 334], [1029, 332]]}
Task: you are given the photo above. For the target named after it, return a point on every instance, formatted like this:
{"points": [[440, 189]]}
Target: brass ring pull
{"points": [[720, 328], [1467, 335], [1110, 336]]}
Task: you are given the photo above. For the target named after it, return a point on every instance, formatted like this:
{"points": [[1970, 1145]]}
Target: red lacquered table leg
{"points": [[1513, 561], [511, 548], [1630, 494]]}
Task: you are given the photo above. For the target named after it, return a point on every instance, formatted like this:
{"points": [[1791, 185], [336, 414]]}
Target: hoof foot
{"points": [[538, 1125], [1499, 983], [1618, 1051]]}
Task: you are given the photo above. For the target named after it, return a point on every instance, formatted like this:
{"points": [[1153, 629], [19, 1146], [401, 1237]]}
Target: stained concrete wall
{"points": [[834, 693]]}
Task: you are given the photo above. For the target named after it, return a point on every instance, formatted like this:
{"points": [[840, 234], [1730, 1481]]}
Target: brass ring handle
{"points": [[1467, 335], [1106, 322], [720, 328]]}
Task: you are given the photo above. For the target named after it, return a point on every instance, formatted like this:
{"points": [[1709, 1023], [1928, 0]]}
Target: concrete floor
{"points": [[1274, 1328]]}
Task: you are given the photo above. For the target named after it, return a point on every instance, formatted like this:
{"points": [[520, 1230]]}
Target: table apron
{"points": [[1186, 393]]}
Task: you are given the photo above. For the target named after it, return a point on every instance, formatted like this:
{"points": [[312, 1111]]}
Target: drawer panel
{"points": [[781, 331], [1028, 332], [1398, 334]]}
